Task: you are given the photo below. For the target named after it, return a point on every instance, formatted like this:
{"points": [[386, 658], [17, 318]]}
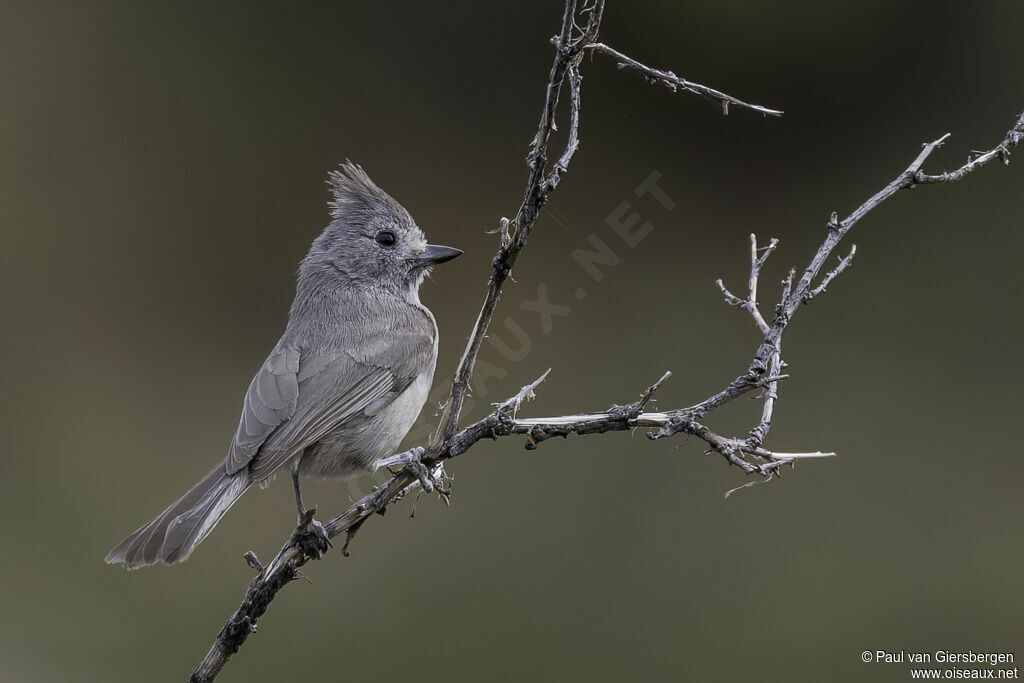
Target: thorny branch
{"points": [[675, 83], [569, 46], [763, 372]]}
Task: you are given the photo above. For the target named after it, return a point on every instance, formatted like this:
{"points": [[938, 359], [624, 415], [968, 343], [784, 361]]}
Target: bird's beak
{"points": [[435, 254]]}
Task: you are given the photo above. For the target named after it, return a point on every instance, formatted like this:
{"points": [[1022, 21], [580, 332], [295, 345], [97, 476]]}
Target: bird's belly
{"points": [[355, 445]]}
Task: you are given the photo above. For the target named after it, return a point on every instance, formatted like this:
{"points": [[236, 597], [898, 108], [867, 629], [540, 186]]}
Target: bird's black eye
{"points": [[385, 238]]}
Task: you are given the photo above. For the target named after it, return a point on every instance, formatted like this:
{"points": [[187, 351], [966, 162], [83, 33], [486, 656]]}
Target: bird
{"points": [[342, 386]]}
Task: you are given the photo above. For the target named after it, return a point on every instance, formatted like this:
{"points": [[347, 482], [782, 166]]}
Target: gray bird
{"points": [[345, 382]]}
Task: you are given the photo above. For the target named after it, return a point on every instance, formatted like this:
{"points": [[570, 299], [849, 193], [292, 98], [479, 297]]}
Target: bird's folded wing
{"points": [[269, 401], [296, 400], [337, 394]]}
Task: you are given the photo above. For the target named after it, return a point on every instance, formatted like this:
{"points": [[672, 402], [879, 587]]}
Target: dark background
{"points": [[162, 172]]}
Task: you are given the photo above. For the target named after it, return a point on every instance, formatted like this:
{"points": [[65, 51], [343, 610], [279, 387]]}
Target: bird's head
{"points": [[372, 241]]}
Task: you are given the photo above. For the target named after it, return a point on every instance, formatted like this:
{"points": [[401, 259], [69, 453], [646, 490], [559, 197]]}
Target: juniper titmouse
{"points": [[345, 382]]}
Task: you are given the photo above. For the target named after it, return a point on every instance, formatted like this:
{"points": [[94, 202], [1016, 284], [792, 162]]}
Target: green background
{"points": [[162, 172]]}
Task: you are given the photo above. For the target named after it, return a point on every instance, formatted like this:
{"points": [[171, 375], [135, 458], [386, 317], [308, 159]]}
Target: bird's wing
{"points": [[292, 405], [269, 402]]}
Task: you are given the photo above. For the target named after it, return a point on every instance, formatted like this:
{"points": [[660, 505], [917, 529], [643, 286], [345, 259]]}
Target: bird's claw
{"points": [[423, 474], [310, 536], [413, 460]]}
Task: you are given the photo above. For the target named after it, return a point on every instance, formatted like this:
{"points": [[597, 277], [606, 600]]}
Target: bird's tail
{"points": [[174, 533]]}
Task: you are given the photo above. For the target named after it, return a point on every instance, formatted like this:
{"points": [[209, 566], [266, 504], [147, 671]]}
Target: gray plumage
{"points": [[344, 383]]}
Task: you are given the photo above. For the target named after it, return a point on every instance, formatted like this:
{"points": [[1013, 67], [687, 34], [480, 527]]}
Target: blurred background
{"points": [[162, 172]]}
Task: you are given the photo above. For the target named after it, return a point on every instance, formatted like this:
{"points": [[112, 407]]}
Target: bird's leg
{"points": [[309, 535], [412, 459], [298, 495]]}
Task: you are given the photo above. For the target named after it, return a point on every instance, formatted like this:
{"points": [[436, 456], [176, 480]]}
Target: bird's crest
{"points": [[351, 187]]}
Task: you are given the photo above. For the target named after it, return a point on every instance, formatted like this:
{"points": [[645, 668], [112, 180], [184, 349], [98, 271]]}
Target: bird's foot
{"points": [[413, 460], [310, 536]]}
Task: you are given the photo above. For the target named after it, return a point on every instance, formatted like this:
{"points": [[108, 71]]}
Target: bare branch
{"points": [[831, 275], [730, 298], [1000, 151], [912, 176], [756, 263], [767, 360], [575, 82], [750, 304], [669, 423], [675, 83], [568, 54]]}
